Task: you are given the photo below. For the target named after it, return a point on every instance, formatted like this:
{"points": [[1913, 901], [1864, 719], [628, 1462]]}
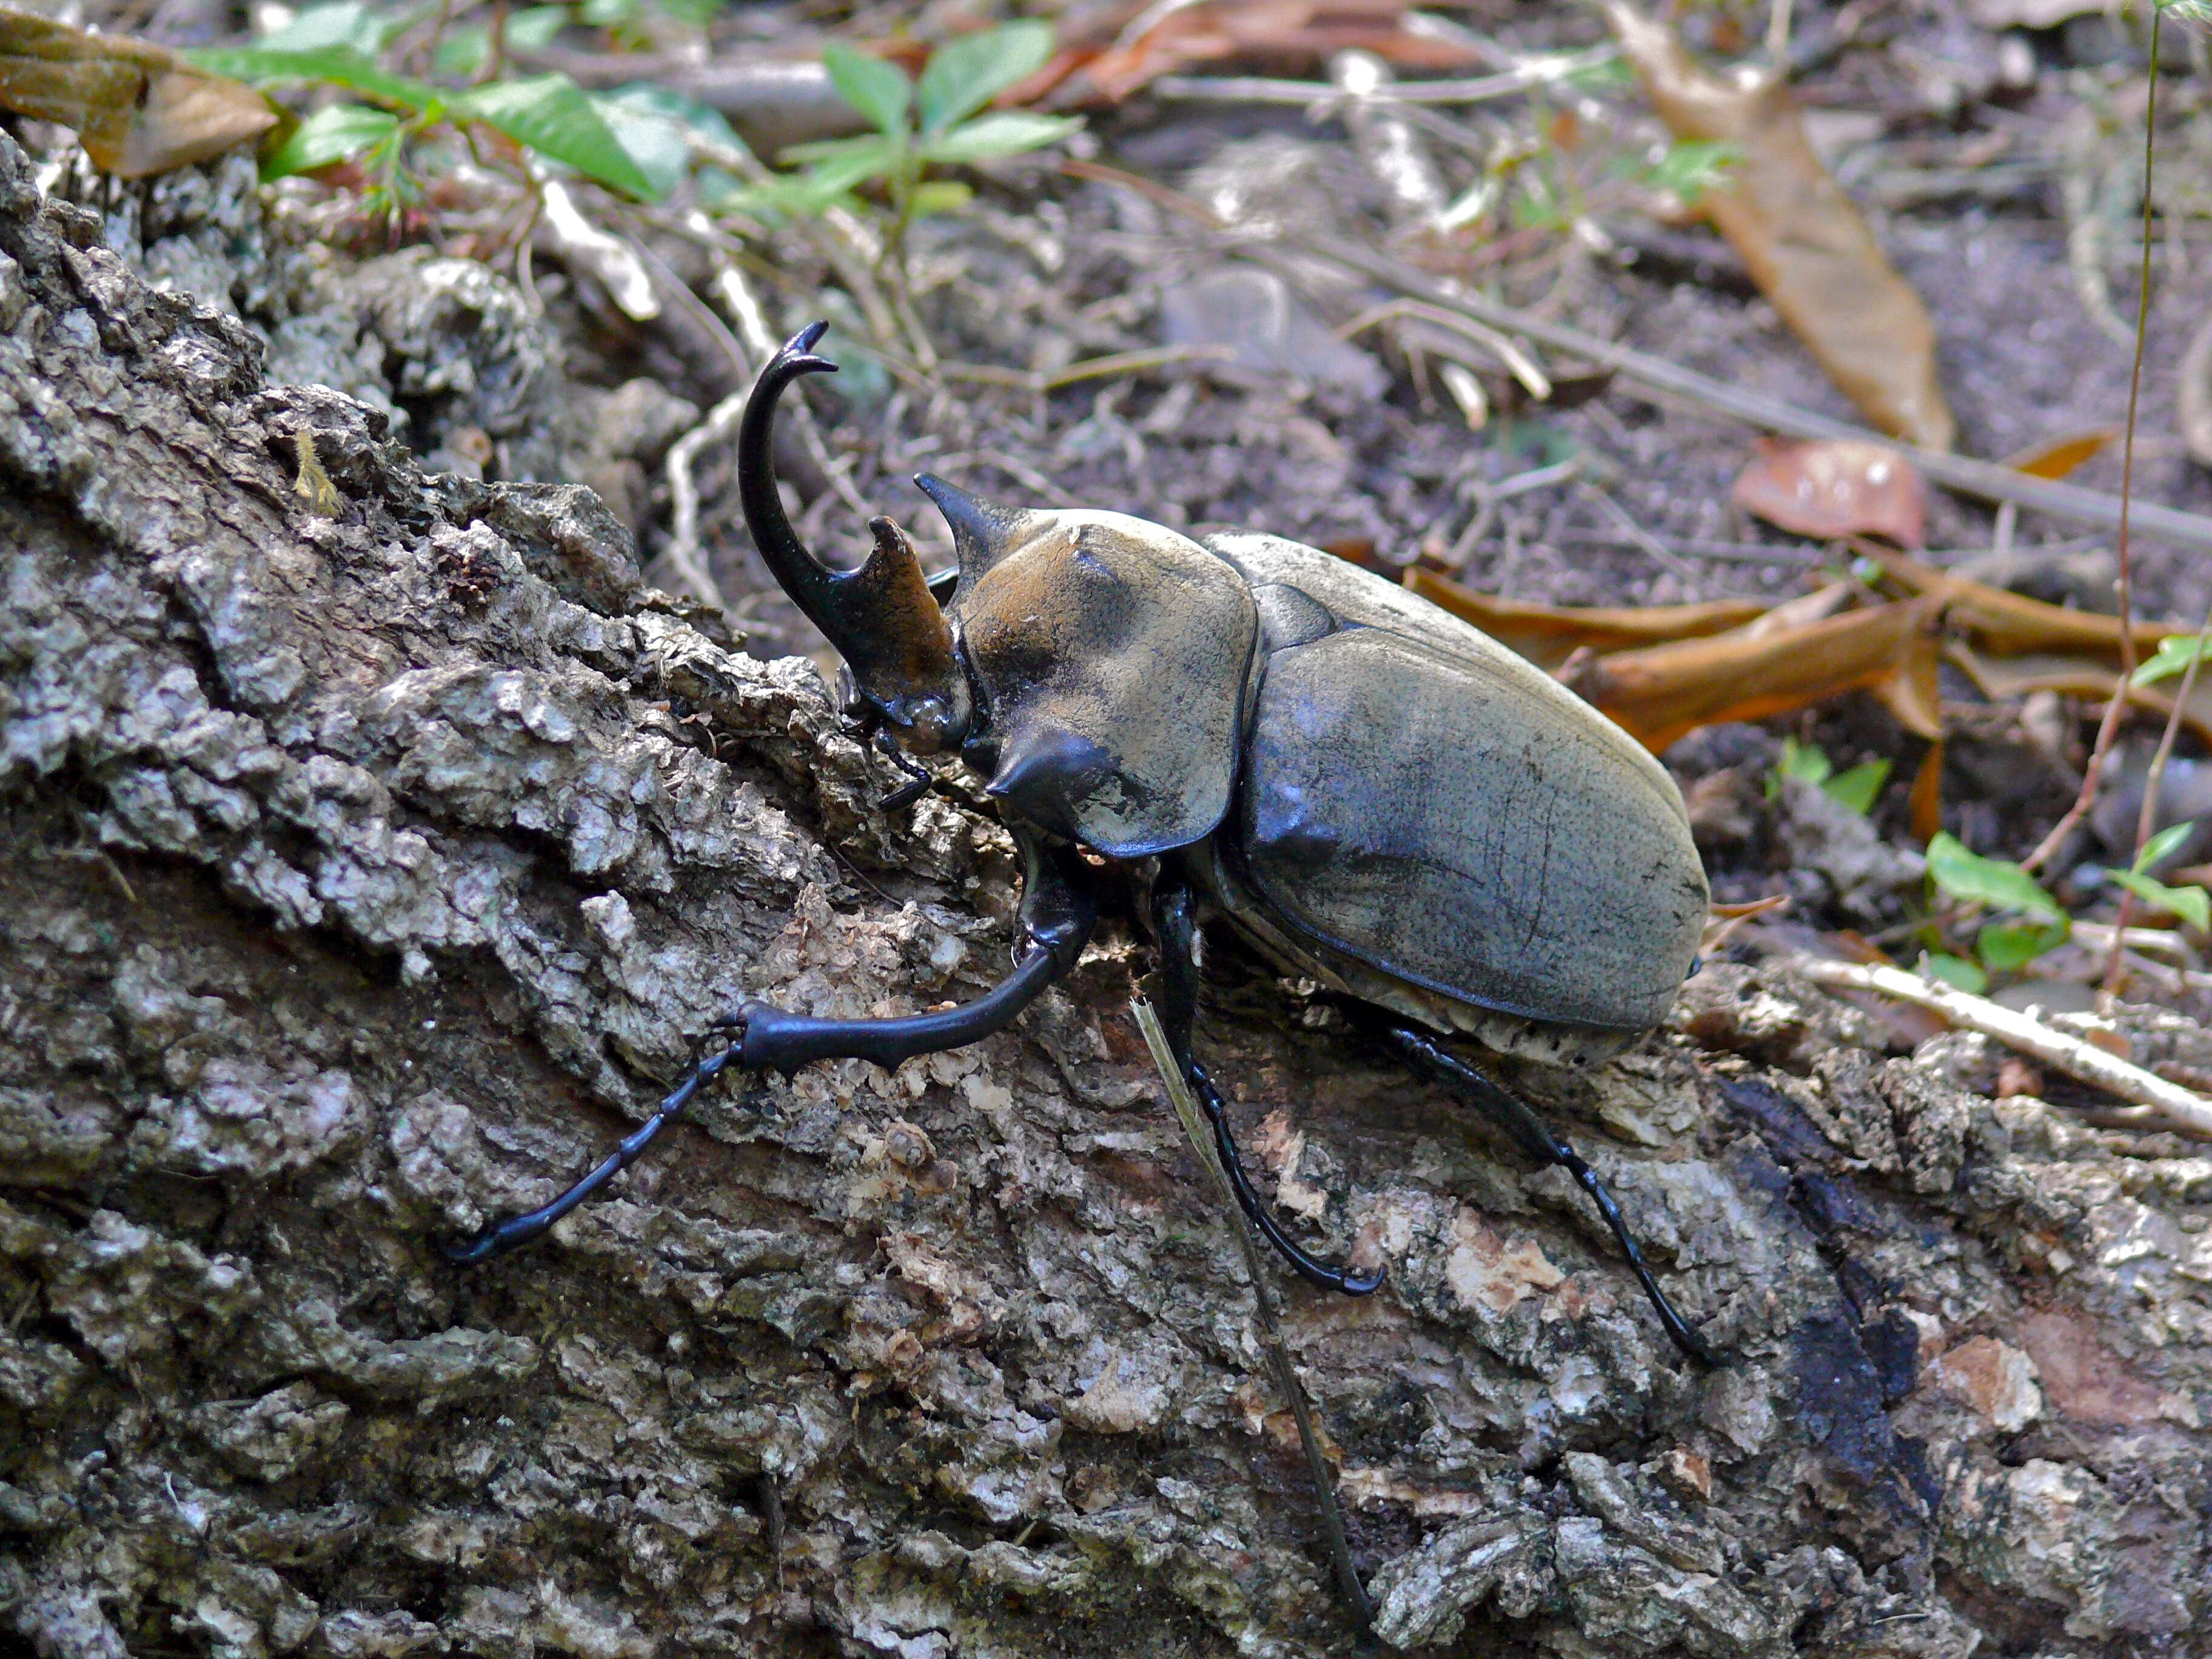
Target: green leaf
{"points": [[1860, 786], [331, 134], [658, 128], [2005, 946], [1802, 761], [704, 119], [349, 24], [1954, 971], [2175, 654], [464, 51], [336, 66], [1692, 166], [551, 114], [964, 75], [878, 90], [1007, 132], [823, 150], [2160, 846], [941, 196], [2192, 904], [1994, 882]]}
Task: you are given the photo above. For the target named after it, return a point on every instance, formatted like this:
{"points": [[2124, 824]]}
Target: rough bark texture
{"points": [[362, 876]]}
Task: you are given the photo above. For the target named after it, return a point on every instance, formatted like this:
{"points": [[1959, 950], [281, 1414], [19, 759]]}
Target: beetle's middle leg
{"points": [[1058, 911], [1426, 1054], [1176, 927]]}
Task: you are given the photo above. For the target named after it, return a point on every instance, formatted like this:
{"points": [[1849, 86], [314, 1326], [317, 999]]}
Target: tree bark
{"points": [[369, 864]]}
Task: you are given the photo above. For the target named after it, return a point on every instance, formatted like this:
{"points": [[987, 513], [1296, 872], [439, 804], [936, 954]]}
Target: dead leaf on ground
{"points": [[137, 109], [1136, 43], [2057, 457], [2012, 624], [1548, 635], [1664, 692], [1835, 487], [1663, 670], [1807, 246]]}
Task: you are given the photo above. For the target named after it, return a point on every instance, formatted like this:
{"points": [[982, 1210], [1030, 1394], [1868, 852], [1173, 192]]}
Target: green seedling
{"points": [[1857, 789], [919, 126], [337, 45], [2031, 921], [2191, 903]]}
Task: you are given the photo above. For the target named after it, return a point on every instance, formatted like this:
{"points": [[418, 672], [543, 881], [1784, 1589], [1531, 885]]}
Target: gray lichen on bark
{"points": [[363, 875]]}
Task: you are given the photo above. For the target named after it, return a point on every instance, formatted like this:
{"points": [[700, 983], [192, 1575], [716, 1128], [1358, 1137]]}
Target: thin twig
{"points": [[685, 555], [2184, 1108], [1271, 1334], [1640, 371], [1542, 71], [2109, 726], [2153, 782], [1037, 381]]}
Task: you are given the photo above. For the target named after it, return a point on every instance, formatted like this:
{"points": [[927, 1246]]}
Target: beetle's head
{"points": [[882, 617]]}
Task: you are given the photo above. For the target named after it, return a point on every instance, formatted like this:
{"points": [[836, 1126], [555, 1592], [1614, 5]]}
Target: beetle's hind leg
{"points": [[1426, 1054], [1174, 923], [1058, 911]]}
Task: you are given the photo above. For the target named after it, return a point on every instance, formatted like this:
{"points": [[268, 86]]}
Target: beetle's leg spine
{"points": [[1515, 1115]]}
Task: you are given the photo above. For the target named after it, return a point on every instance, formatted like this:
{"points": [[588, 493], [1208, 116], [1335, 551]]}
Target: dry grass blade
{"points": [[2183, 1108], [1805, 243], [137, 109], [1271, 1334]]}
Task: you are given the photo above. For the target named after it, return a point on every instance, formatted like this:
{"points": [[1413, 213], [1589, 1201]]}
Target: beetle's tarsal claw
{"points": [[919, 777]]}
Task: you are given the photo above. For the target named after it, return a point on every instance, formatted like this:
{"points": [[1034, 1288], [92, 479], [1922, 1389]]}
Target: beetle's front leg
{"points": [[1058, 911], [1175, 922]]}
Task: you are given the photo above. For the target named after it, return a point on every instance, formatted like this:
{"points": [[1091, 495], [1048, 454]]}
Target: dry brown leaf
{"points": [[2010, 624], [1807, 246], [1142, 42], [1832, 487], [2008, 679], [136, 109], [2055, 458], [1663, 692], [1548, 635]]}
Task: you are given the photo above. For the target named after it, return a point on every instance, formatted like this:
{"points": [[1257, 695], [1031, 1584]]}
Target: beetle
{"points": [[1377, 796]]}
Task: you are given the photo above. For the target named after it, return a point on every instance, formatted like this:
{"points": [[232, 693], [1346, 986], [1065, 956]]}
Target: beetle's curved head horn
{"points": [[982, 534], [881, 617]]}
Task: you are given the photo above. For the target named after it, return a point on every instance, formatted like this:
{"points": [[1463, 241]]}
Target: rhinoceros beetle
{"points": [[1375, 795]]}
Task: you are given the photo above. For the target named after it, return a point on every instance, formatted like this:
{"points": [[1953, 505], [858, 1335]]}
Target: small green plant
{"points": [[338, 46], [2175, 654], [2192, 904], [2029, 920], [919, 124], [1857, 789]]}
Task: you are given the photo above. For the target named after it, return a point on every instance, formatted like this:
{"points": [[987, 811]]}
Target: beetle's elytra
{"points": [[1375, 794]]}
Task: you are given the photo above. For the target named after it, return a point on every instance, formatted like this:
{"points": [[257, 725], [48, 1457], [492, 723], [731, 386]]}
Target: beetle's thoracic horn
{"points": [[881, 616], [982, 534]]}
